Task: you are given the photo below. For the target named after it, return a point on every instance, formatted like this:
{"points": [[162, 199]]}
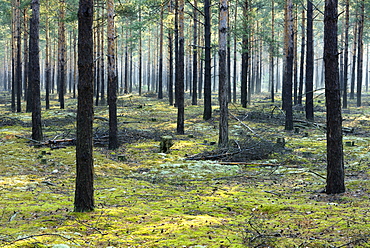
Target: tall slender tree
{"points": [[288, 69], [61, 53], [335, 160], [160, 63], [309, 63], [112, 78], [345, 65], [195, 54], [180, 66], [360, 55], [34, 72], [84, 194], [301, 67], [223, 139], [245, 56], [207, 113]]}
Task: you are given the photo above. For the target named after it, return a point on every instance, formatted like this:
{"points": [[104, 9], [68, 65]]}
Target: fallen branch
{"points": [[35, 141], [250, 129], [39, 235], [245, 163]]}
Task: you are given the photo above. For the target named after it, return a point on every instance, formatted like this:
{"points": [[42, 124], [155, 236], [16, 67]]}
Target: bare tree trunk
{"points": [[288, 72], [335, 161], [207, 113], [18, 69], [180, 65], [47, 63], [61, 53], [34, 72], [272, 52], [112, 78], [160, 73], [309, 63], [84, 194], [170, 59], [25, 56], [223, 138], [360, 52], [195, 54], [140, 56], [235, 53], [353, 74], [345, 69], [301, 67], [245, 56]]}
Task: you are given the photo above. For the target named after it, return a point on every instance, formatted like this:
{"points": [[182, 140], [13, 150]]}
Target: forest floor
{"points": [[258, 193]]}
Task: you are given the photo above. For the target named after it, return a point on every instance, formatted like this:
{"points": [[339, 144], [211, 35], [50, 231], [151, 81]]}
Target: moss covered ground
{"points": [[149, 199]]}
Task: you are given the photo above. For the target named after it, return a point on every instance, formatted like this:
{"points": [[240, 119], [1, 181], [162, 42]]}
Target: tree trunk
{"points": [[34, 72], [223, 138], [26, 87], [13, 53], [345, 69], [301, 67], [102, 60], [84, 194], [272, 52], [360, 52], [353, 74], [207, 113], [47, 62], [112, 78], [18, 69], [160, 63], [235, 53], [170, 59], [180, 66], [335, 161], [288, 72], [140, 56], [295, 60], [309, 63], [61, 53], [195, 54], [245, 56]]}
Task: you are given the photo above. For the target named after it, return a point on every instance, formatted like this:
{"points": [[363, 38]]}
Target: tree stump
{"points": [[280, 142], [166, 143]]}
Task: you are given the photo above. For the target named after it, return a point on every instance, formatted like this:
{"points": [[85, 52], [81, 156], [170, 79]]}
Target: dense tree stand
{"points": [[335, 161], [84, 194]]}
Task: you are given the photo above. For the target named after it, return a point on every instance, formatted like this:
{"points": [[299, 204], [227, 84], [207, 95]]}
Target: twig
{"points": [[21, 137], [40, 235], [246, 163], [250, 129]]}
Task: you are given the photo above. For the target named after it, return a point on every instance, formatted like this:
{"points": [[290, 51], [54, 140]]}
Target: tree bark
{"points": [[272, 52], [360, 55], [61, 53], [309, 63], [345, 69], [112, 78], [195, 54], [160, 63], [170, 59], [180, 82], [84, 194], [335, 161], [207, 114], [288, 72], [245, 56], [223, 138], [353, 74], [34, 72], [301, 67]]}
